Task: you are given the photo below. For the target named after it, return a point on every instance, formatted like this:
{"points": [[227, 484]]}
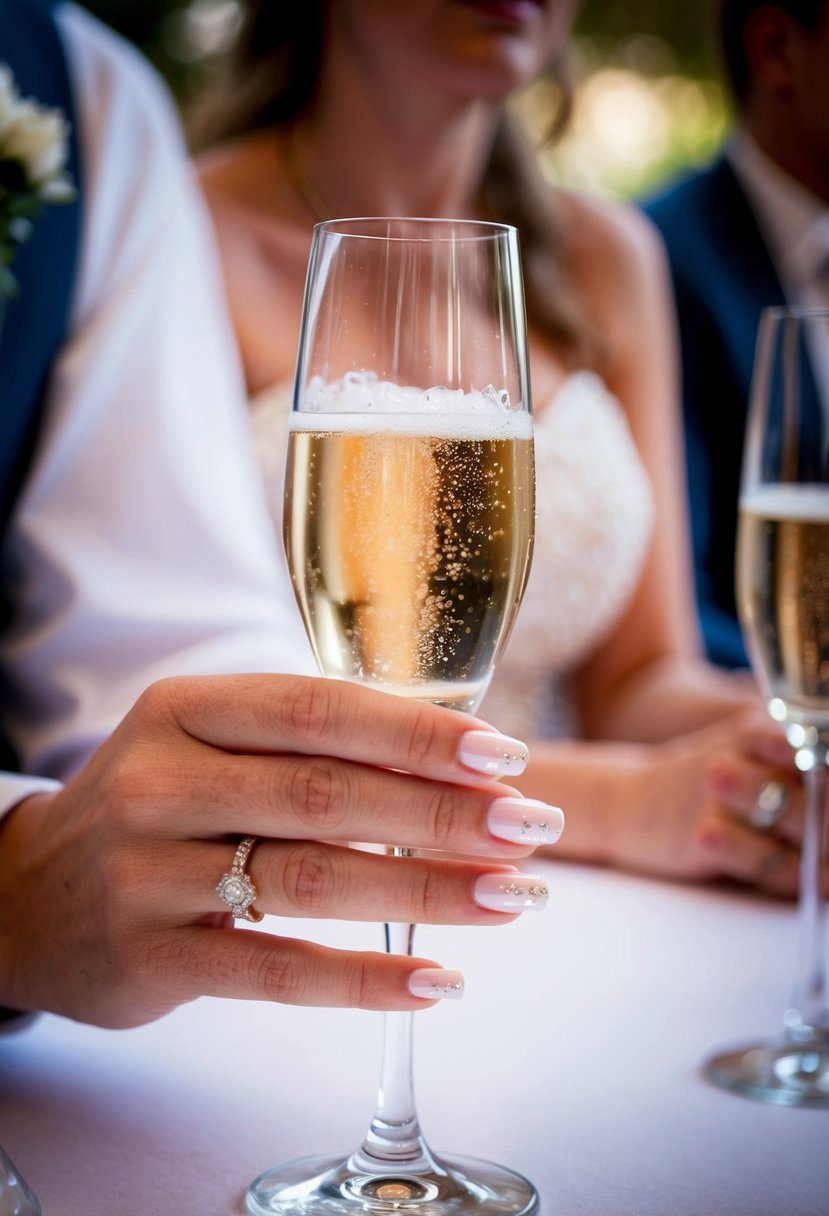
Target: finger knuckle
{"points": [[712, 827], [157, 702], [124, 788], [309, 878], [280, 977], [309, 711], [428, 895], [362, 988], [447, 816], [423, 737], [315, 792]]}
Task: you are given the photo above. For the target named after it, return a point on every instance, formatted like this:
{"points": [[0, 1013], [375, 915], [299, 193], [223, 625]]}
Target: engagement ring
{"points": [[770, 807], [235, 888]]}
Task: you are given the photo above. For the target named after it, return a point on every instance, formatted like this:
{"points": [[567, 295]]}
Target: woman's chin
{"points": [[492, 68]]}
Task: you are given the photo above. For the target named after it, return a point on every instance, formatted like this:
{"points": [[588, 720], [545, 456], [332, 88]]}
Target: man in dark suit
{"points": [[749, 231]]}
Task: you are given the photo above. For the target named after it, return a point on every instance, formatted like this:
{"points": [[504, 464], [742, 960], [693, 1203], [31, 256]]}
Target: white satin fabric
{"points": [[141, 546]]}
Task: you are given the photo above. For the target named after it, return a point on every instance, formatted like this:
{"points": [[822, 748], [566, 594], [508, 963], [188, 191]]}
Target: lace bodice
{"points": [[594, 519]]}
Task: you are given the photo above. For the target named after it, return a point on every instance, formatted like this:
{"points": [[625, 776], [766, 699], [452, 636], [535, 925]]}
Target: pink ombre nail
{"points": [[436, 984], [488, 752], [524, 821], [513, 892]]}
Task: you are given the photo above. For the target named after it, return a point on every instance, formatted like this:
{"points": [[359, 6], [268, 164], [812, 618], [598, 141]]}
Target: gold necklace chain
{"points": [[299, 179]]}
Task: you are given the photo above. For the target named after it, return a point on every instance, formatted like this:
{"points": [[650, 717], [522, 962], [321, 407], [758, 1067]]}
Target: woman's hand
{"points": [[695, 813], [110, 912]]}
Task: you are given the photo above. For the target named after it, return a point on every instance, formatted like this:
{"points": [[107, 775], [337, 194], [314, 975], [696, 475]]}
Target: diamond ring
{"points": [[235, 888], [770, 807]]}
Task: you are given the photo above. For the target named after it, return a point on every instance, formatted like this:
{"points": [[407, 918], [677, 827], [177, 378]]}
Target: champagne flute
{"points": [[409, 510], [783, 599]]}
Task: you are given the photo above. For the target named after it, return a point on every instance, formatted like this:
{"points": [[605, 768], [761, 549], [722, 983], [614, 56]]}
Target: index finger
{"points": [[307, 715]]}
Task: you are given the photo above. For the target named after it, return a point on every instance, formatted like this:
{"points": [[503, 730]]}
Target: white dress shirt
{"points": [[795, 225], [141, 544]]}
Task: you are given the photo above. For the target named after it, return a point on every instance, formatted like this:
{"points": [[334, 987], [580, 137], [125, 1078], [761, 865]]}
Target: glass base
{"points": [[788, 1074], [331, 1186], [16, 1197]]}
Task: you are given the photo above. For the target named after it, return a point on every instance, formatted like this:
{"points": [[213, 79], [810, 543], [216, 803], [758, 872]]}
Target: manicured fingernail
{"points": [[436, 984], [524, 821], [510, 892], [487, 752]]}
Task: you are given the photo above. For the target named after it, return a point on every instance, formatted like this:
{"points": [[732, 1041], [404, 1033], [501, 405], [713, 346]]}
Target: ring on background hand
{"points": [[770, 807], [236, 888]]}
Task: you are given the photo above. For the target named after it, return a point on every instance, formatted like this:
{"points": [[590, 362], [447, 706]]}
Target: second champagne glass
{"points": [[409, 511], [783, 599]]}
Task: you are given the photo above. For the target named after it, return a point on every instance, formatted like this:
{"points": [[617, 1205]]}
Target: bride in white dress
{"points": [[362, 107]]}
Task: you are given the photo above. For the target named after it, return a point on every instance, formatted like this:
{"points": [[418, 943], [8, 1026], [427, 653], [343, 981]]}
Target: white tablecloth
{"points": [[574, 1058]]}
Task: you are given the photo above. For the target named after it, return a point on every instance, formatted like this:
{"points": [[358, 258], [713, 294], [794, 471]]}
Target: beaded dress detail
{"points": [[594, 520]]}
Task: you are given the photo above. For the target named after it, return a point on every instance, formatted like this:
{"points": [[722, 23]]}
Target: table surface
{"points": [[574, 1058]]}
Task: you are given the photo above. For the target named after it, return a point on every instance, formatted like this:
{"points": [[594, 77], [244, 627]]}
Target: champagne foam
{"points": [[362, 403], [807, 502]]}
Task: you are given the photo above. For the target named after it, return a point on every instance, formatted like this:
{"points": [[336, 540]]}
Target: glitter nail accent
{"points": [[495, 755], [524, 820], [536, 891], [445, 989], [436, 984]]}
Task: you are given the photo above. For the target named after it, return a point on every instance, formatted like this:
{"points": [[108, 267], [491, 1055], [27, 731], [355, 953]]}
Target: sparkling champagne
{"points": [[783, 589], [409, 540]]}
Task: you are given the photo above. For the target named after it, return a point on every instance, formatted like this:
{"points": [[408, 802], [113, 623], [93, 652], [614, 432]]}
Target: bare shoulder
{"points": [[620, 270], [610, 241]]}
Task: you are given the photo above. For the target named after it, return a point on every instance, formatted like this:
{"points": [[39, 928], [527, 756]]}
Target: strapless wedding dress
{"points": [[594, 520]]}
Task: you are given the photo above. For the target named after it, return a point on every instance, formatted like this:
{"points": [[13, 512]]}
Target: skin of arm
{"points": [[647, 681]]}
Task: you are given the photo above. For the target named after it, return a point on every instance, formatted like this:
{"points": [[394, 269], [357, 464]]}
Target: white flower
{"points": [[37, 137], [34, 146], [57, 190]]}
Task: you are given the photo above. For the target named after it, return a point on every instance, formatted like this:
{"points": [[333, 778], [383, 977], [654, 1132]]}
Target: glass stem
{"points": [[394, 1141], [809, 1017]]}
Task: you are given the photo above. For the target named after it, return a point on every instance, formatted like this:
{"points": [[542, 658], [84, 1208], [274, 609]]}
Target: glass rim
{"points": [[795, 312], [467, 230]]}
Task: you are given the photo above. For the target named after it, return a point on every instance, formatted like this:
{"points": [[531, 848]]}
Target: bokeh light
{"points": [[629, 130]]}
